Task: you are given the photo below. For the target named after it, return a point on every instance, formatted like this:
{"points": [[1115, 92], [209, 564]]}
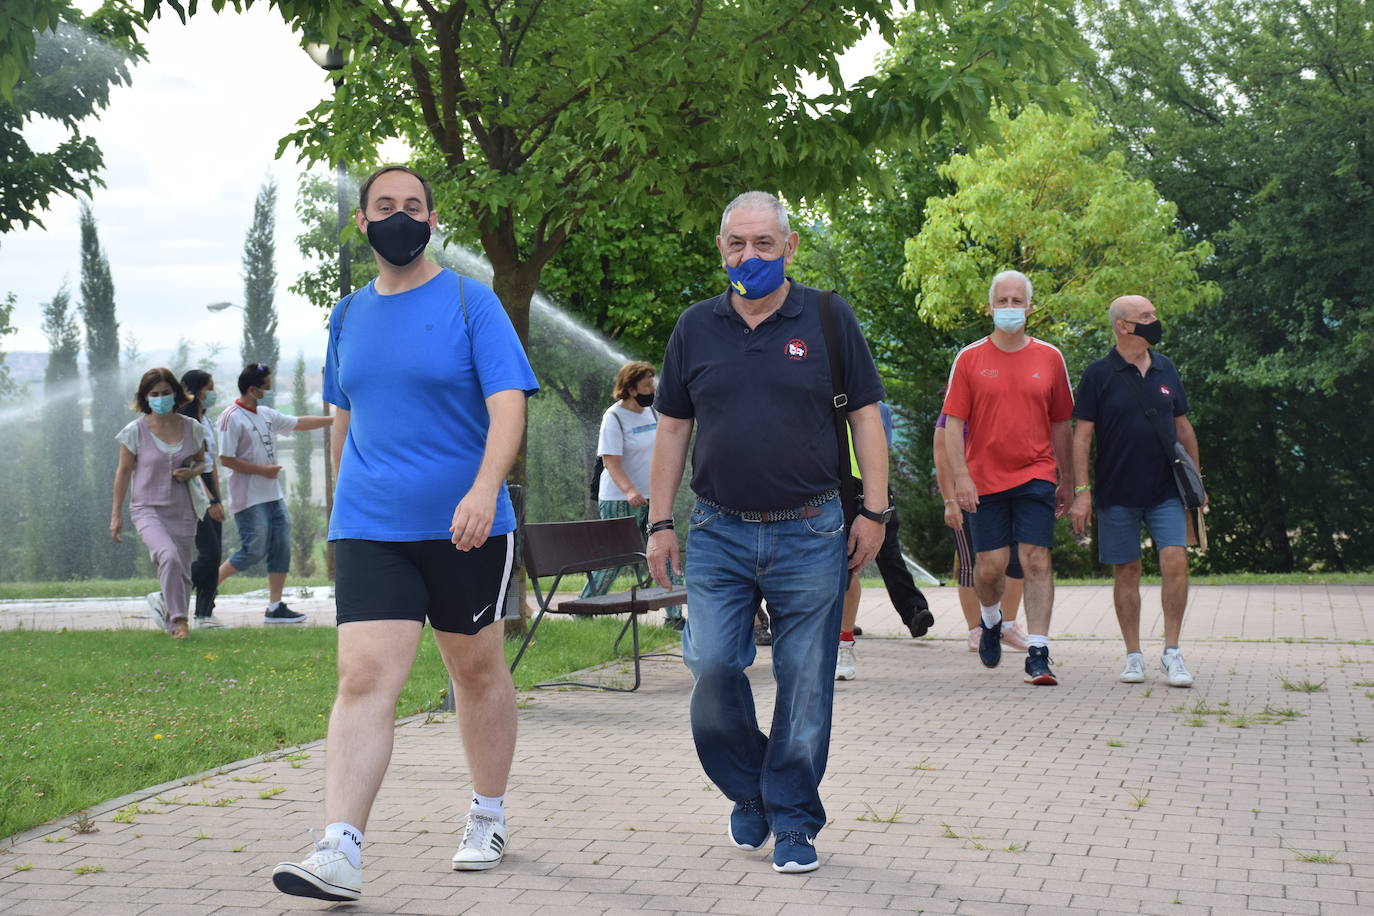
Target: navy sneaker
{"points": [[990, 644], [283, 614], [748, 825], [794, 852], [1038, 667], [920, 623]]}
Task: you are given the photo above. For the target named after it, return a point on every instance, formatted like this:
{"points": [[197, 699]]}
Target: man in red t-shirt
{"points": [[1014, 473]]}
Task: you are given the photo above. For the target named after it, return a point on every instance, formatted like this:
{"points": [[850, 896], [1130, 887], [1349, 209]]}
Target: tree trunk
{"points": [[1274, 520]]}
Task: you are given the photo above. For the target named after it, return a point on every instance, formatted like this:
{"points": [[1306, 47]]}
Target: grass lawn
{"points": [[94, 714]]}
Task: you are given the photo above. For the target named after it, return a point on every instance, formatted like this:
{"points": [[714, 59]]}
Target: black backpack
{"points": [[599, 465]]}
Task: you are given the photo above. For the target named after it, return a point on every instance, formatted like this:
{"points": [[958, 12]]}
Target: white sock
{"points": [[1136, 652], [992, 614], [273, 606], [1037, 642], [350, 841], [493, 806], [1171, 650]]}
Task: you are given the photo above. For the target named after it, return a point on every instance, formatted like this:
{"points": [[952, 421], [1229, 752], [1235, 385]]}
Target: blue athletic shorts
{"points": [[1118, 530], [1024, 514]]}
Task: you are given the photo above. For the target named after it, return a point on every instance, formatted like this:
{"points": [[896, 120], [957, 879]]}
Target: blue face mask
{"points": [[1009, 320], [211, 397], [162, 404], [756, 278]]}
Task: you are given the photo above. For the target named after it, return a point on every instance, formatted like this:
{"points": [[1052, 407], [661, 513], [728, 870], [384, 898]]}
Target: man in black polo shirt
{"points": [[1134, 475], [749, 369]]}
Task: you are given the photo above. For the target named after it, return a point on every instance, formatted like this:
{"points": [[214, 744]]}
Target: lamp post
{"points": [[331, 59], [221, 306]]}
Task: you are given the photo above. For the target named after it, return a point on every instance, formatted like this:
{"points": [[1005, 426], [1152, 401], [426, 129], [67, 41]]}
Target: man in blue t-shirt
{"points": [[430, 382], [749, 369], [1132, 400]]}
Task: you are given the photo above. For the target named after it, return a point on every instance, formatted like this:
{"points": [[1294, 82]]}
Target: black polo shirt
{"points": [[762, 398], [1131, 468]]}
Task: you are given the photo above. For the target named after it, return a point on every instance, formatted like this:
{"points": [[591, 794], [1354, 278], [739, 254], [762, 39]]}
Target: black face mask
{"points": [[644, 400], [398, 238], [1150, 333]]}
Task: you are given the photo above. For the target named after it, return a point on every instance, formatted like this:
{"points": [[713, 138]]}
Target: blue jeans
{"points": [[798, 567], [1118, 529], [264, 532]]}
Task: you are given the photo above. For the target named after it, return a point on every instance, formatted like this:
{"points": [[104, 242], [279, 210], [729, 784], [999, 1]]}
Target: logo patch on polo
{"points": [[1164, 390], [796, 348]]}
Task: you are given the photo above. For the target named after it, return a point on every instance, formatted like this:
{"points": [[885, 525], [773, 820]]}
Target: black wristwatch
{"points": [[882, 518]]}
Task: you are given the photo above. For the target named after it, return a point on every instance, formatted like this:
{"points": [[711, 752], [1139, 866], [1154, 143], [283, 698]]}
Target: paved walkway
{"points": [[952, 789]]}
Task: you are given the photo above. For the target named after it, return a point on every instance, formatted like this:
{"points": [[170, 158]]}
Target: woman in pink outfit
{"points": [[161, 454]]}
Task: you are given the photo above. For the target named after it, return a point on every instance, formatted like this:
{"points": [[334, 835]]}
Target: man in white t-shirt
{"points": [[248, 432]]}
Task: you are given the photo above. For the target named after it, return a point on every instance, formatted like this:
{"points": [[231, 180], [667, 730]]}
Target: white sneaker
{"points": [[846, 663], [326, 875], [157, 609], [1134, 672], [209, 623], [1175, 671], [484, 843]]}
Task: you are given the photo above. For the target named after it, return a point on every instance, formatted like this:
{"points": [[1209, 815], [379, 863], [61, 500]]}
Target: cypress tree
{"points": [[109, 400], [63, 548], [260, 281], [305, 516]]}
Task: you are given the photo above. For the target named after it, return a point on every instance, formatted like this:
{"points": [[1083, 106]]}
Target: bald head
{"points": [[1132, 309]]}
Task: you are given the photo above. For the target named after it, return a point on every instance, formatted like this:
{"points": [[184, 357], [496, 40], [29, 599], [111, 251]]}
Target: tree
{"points": [[1054, 201], [57, 64], [539, 119], [7, 384], [1255, 117], [61, 549], [317, 203], [260, 281], [305, 515], [108, 397]]}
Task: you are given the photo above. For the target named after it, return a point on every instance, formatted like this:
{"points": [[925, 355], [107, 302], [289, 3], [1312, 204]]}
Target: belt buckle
{"points": [[756, 517]]}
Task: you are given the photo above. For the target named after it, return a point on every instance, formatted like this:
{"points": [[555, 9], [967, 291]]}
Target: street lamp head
{"points": [[220, 306], [326, 56]]}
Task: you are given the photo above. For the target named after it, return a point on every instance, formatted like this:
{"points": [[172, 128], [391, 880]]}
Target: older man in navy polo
{"points": [[1132, 400], [749, 369]]}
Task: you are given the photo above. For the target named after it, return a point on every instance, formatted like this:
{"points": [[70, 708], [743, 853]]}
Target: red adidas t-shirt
{"points": [[1009, 401]]}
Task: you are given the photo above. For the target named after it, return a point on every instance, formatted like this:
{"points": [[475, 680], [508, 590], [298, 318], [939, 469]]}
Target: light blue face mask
{"points": [[162, 404], [211, 397], [1010, 320]]}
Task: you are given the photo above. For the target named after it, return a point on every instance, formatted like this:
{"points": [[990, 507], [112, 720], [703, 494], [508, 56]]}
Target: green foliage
{"points": [[110, 395], [317, 207], [1253, 115], [1054, 201], [8, 388], [260, 282], [59, 550], [59, 64], [306, 517]]}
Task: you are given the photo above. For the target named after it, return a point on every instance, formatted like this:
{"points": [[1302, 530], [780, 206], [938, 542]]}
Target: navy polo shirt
{"points": [[762, 398], [1131, 469]]}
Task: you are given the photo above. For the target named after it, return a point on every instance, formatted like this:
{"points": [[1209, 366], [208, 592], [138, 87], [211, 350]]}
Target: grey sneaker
{"points": [[325, 875], [209, 623], [484, 843], [1175, 672], [157, 609], [1134, 672]]}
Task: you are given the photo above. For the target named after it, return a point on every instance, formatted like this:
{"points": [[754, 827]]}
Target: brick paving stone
{"points": [[611, 814]]}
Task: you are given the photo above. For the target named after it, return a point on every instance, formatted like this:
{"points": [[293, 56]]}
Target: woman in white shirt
{"points": [[160, 454], [626, 447]]}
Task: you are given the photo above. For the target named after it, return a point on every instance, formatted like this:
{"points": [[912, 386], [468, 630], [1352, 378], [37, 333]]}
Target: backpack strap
{"points": [[849, 491]]}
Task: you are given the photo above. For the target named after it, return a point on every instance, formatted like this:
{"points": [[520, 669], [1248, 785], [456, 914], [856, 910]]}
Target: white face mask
{"points": [[1010, 320]]}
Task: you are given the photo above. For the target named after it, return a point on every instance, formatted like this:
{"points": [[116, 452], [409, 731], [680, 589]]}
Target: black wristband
{"points": [[661, 525]]}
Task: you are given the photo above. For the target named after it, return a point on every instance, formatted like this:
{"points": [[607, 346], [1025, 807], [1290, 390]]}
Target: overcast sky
{"points": [[187, 147]]}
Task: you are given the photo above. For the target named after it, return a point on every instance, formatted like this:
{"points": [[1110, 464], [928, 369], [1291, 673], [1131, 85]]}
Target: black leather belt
{"points": [[811, 509]]}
